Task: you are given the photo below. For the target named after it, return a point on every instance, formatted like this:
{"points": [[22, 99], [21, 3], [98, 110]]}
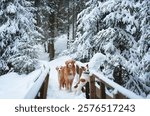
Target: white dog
{"points": [[84, 78]]}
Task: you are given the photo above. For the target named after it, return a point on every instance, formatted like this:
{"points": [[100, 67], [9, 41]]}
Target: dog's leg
{"points": [[80, 85], [67, 84], [59, 85], [78, 92]]}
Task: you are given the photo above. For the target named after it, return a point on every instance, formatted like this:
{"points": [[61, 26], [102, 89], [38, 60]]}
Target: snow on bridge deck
{"points": [[53, 89]]}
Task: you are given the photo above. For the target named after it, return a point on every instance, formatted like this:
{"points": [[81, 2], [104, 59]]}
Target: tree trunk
{"points": [[73, 22], [37, 4], [68, 27], [45, 46], [51, 49]]}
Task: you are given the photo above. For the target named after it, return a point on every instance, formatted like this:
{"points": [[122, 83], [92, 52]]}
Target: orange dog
{"points": [[61, 79], [69, 73]]}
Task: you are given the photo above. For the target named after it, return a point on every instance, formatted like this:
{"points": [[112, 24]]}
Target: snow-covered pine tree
{"points": [[74, 8], [99, 17], [86, 29], [116, 34], [144, 41], [17, 36], [144, 24], [116, 29], [51, 16], [142, 74]]}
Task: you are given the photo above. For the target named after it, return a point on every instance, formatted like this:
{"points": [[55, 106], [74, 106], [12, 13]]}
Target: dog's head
{"points": [[59, 68], [70, 63], [85, 68]]}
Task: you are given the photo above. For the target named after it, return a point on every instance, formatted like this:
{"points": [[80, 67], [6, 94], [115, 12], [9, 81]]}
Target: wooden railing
{"points": [[42, 93], [40, 86], [101, 87]]}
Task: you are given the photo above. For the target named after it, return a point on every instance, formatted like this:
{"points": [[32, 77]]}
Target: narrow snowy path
{"points": [[53, 89]]}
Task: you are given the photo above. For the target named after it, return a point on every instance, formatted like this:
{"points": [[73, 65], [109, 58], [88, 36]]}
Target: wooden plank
{"points": [[44, 87], [98, 94], [102, 90], [87, 91], [92, 87]]}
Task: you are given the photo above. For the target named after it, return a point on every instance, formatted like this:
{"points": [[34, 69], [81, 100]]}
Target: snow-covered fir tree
{"points": [[18, 35], [120, 30], [86, 29]]}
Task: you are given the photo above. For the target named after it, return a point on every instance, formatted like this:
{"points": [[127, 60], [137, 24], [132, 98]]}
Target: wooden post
{"points": [[43, 90], [102, 90], [87, 90], [92, 87]]}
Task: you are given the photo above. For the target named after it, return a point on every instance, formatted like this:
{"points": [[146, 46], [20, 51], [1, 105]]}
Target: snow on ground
{"points": [[14, 86], [53, 89], [60, 43], [41, 53], [7, 90]]}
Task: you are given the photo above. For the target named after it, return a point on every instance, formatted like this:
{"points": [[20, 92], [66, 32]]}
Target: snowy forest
{"points": [[115, 33]]}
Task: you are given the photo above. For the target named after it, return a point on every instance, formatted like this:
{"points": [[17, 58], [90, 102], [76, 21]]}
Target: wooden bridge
{"points": [[99, 87]]}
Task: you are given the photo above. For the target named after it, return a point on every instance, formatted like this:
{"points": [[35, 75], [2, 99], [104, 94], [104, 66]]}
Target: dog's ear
{"points": [[87, 65], [61, 67], [66, 62], [73, 61], [57, 68], [83, 68]]}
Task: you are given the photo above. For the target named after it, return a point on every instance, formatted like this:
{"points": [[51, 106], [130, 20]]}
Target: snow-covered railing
{"points": [[98, 84], [40, 85], [33, 85]]}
